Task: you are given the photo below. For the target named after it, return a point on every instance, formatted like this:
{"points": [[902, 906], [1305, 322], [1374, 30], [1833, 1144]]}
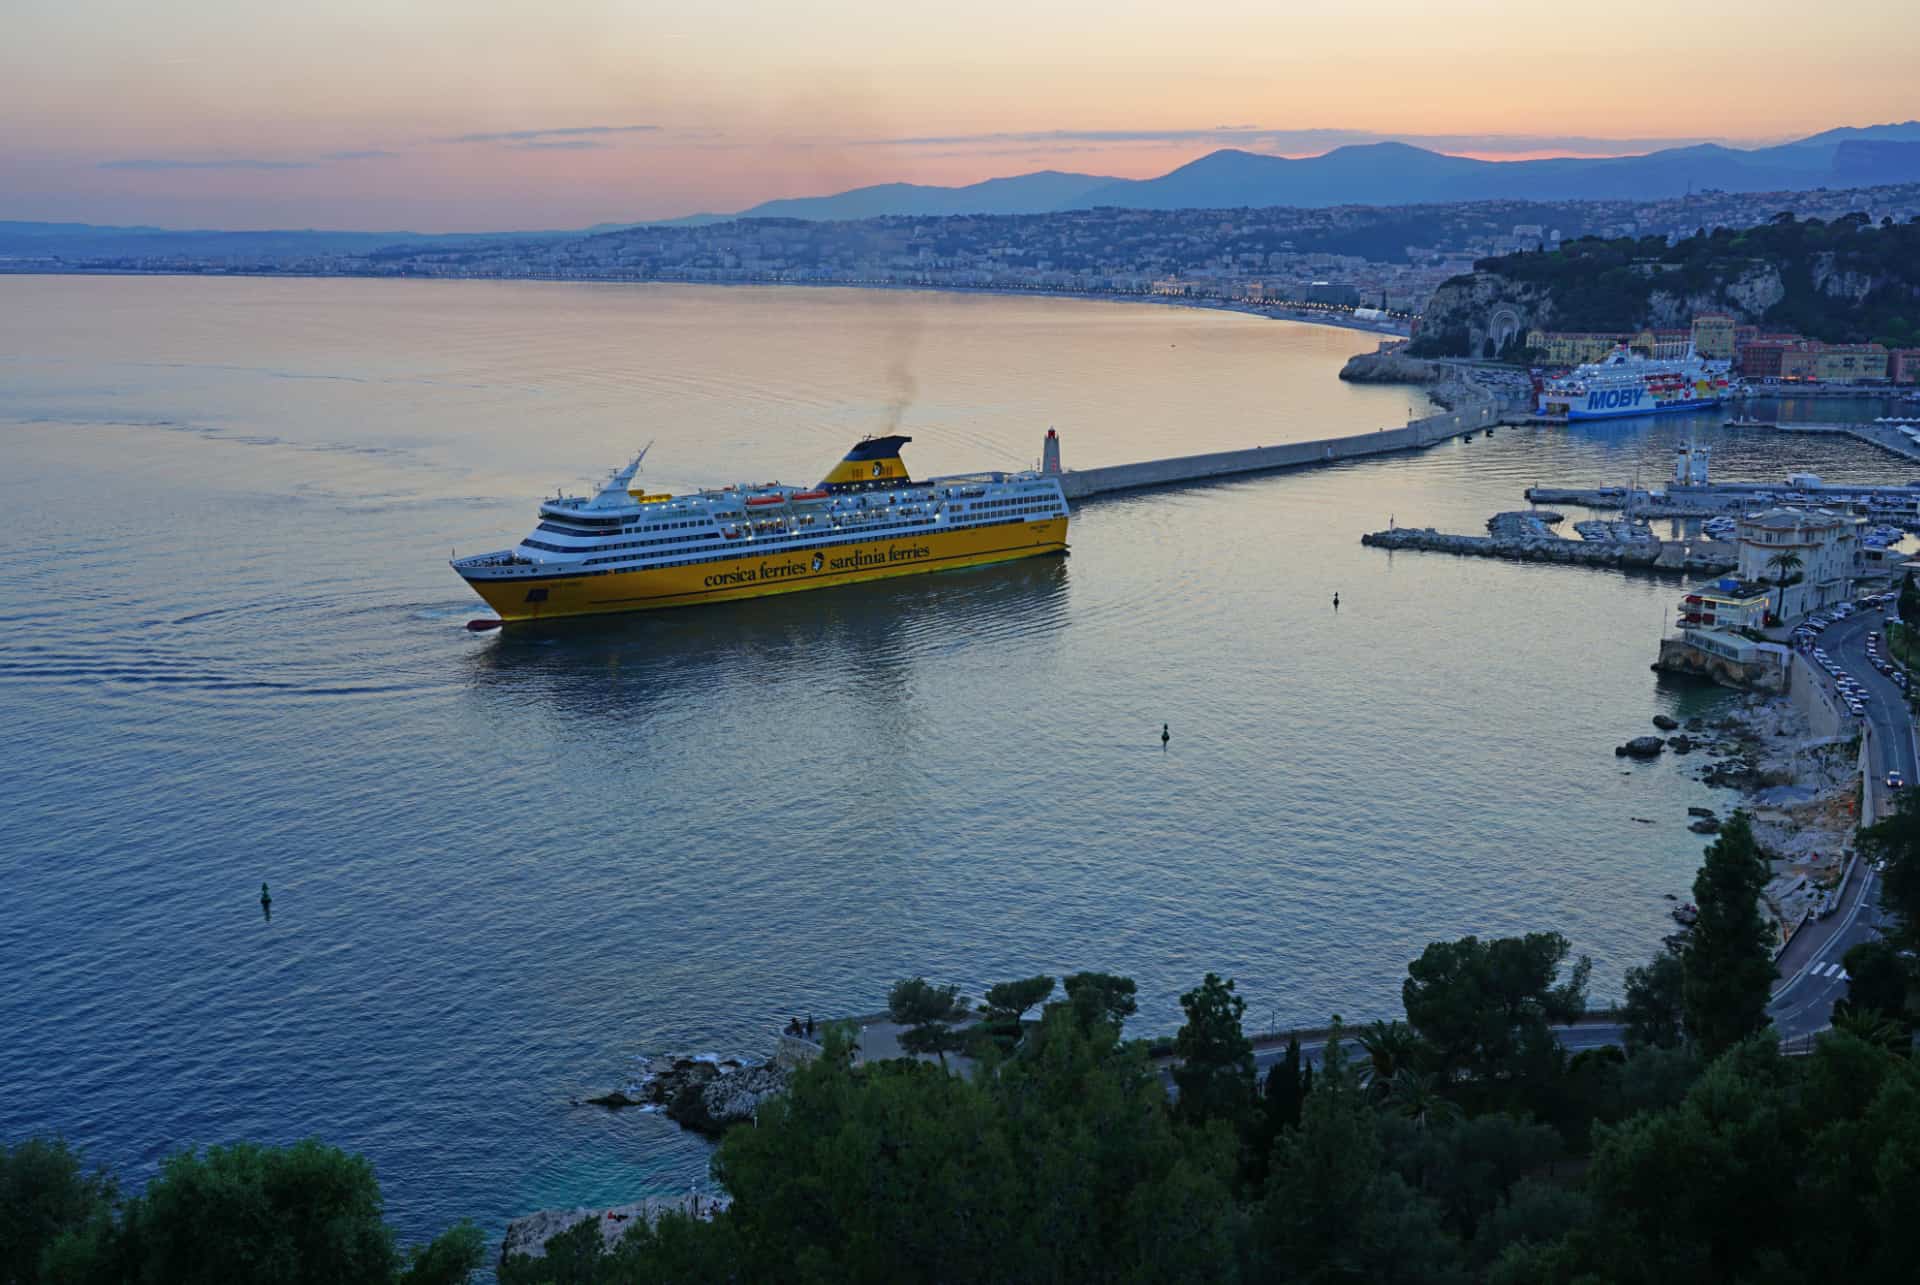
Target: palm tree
{"points": [[1417, 1096], [1391, 1047], [1783, 564]]}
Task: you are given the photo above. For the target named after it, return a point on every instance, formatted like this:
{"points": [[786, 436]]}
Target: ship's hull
{"points": [[756, 573], [1675, 406]]}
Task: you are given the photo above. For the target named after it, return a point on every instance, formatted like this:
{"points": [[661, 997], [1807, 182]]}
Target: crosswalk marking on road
{"points": [[1830, 970]]}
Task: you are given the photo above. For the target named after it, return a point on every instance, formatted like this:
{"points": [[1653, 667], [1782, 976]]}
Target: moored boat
{"points": [[1626, 383]]}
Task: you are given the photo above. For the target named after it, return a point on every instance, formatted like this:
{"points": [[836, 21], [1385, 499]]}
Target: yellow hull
{"points": [[755, 575]]}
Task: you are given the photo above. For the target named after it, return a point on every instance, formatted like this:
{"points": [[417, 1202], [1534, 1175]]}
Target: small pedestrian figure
{"points": [[1336, 600], [809, 1025], [1165, 736]]}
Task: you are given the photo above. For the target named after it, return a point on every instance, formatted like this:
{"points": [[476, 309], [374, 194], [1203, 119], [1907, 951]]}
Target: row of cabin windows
{"points": [[708, 536], [735, 552], [607, 526], [624, 544]]}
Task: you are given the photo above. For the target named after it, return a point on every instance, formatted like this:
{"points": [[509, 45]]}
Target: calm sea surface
{"points": [[504, 867]]}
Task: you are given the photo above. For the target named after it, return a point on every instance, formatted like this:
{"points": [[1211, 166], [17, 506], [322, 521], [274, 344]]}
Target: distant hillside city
{"points": [[1390, 258]]}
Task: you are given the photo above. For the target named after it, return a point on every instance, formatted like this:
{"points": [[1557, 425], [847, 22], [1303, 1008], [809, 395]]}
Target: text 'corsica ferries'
{"points": [[1625, 383], [625, 550]]}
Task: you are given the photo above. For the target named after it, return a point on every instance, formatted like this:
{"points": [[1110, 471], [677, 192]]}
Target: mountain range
{"points": [[1384, 173], [1398, 174]]}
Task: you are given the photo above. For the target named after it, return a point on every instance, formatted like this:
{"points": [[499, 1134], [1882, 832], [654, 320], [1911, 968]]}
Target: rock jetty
{"points": [[705, 1094], [1638, 555], [1390, 367]]}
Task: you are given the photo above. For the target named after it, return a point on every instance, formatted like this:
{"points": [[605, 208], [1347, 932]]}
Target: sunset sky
{"points": [[442, 115]]}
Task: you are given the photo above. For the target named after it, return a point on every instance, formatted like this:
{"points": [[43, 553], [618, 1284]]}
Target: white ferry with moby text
{"points": [[624, 549], [1626, 383]]}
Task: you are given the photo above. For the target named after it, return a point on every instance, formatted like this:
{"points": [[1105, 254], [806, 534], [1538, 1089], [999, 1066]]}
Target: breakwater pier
{"points": [[1478, 411], [1512, 540], [1887, 437]]}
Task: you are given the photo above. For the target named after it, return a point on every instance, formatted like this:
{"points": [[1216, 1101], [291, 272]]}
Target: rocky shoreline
{"points": [[699, 1091], [1802, 793], [528, 1236]]}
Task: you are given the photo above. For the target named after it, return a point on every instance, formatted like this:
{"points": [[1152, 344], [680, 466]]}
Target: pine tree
{"points": [[1728, 964]]}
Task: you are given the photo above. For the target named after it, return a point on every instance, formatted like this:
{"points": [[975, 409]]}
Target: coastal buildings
{"points": [[1827, 545], [1727, 603], [1714, 335]]}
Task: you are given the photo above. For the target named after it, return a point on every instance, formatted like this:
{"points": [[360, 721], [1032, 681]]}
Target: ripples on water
{"points": [[505, 866]]}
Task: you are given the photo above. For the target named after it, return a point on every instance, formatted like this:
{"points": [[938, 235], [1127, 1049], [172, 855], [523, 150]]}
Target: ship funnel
{"points": [[874, 461]]}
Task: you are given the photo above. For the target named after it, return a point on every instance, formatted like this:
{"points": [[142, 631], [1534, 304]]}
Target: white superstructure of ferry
{"points": [[1625, 383]]}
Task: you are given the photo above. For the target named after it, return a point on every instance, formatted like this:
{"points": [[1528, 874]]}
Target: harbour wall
{"points": [[1080, 484], [1812, 699]]}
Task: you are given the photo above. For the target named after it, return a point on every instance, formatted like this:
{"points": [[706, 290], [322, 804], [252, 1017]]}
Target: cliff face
{"points": [[1491, 305], [1849, 281]]}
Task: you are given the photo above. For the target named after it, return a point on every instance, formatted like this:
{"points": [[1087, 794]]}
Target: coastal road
{"points": [[1845, 642], [1814, 979]]}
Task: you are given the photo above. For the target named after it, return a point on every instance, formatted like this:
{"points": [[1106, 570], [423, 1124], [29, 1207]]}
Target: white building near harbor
{"points": [[1827, 545]]}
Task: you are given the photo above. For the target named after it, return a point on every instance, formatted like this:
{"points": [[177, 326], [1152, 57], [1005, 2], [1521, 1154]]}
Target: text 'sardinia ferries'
{"points": [[625, 550], [1625, 383]]}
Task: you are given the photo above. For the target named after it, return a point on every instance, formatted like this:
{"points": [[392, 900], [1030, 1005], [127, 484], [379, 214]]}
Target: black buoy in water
{"points": [[266, 900], [482, 626]]}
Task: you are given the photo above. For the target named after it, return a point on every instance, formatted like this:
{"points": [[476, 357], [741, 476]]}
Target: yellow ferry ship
{"points": [[622, 549]]}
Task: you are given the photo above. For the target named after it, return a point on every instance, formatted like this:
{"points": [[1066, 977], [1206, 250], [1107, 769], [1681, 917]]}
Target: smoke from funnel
{"points": [[903, 341]]}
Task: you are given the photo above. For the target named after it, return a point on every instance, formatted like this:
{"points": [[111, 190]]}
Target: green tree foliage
{"points": [[1064, 1166], [1390, 1047], [1770, 1169], [1009, 1001], [1101, 997], [1880, 981], [1277, 1109], [1895, 840], [1333, 1211], [1654, 1007], [1466, 1166], [45, 1192], [1727, 965], [1908, 604], [1215, 1069], [925, 1010], [1286, 1086], [916, 1002], [246, 1213], [1485, 1008]]}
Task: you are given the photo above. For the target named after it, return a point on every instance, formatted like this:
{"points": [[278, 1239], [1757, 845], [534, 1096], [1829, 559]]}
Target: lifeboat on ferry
{"points": [[754, 501], [810, 495]]}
